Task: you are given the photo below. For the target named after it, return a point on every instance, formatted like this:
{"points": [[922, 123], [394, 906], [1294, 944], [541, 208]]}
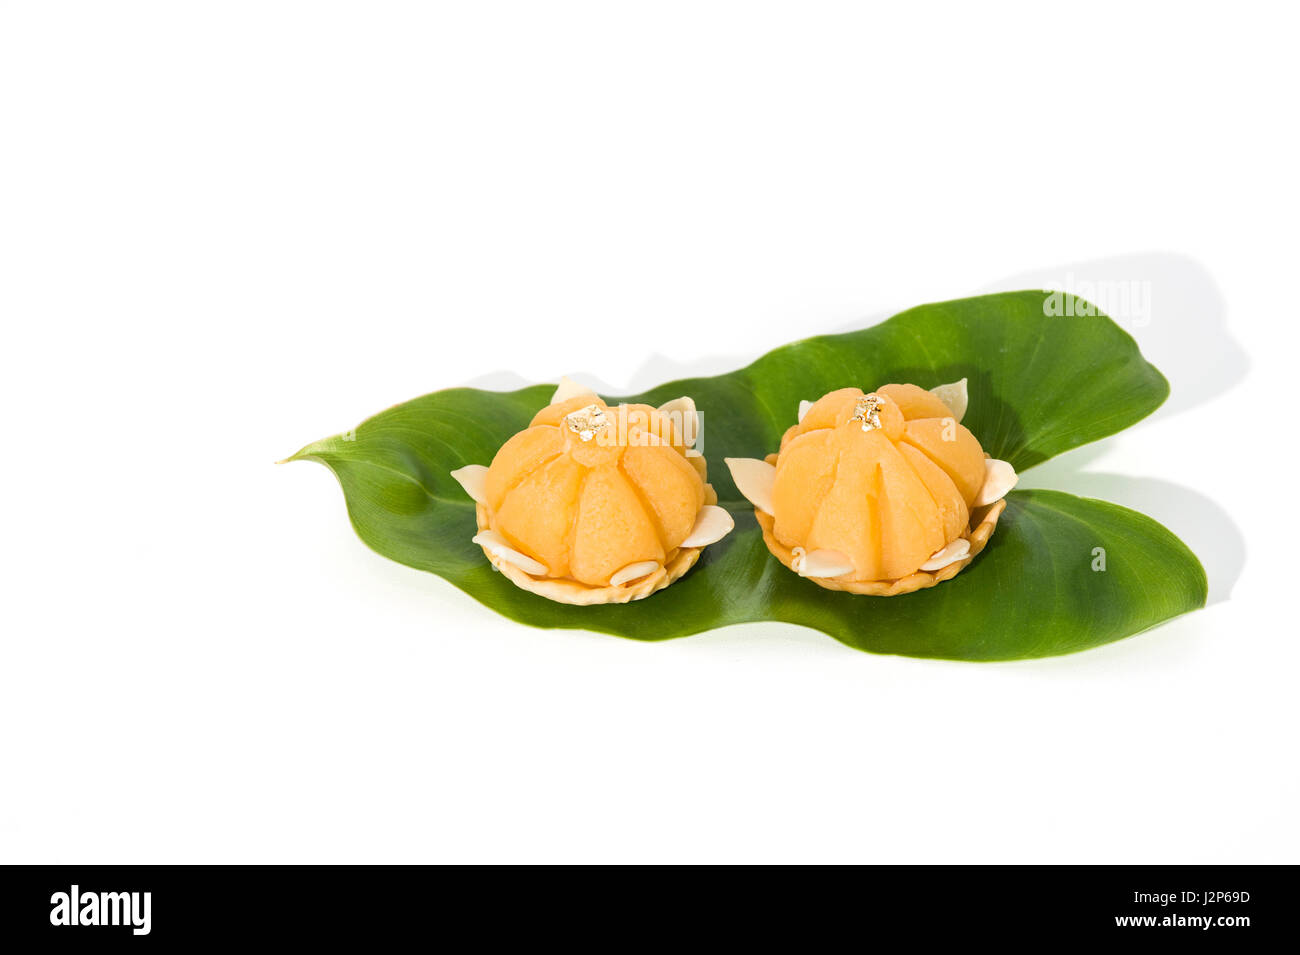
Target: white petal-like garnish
{"points": [[954, 396], [500, 548], [944, 556], [804, 408], [712, 524], [820, 563], [633, 572], [754, 479], [999, 478], [473, 478], [569, 389], [683, 414]]}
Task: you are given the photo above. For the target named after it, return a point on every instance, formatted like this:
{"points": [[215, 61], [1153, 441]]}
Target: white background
{"points": [[228, 229]]}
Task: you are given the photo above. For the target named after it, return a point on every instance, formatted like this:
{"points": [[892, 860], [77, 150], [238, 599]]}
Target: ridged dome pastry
{"points": [[591, 504], [881, 493]]}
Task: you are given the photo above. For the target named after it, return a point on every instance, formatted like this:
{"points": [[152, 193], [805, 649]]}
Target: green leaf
{"points": [[1039, 385]]}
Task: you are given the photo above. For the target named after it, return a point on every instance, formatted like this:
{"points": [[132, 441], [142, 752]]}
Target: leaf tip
{"points": [[306, 452]]}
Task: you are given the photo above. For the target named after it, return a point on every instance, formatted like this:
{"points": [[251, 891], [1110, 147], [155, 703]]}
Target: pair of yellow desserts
{"points": [[881, 493]]}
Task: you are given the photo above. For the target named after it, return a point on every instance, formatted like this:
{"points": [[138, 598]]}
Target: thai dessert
{"points": [[878, 493], [593, 504]]}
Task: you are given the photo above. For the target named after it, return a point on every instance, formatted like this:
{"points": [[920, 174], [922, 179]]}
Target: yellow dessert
{"points": [[881, 493], [596, 504]]}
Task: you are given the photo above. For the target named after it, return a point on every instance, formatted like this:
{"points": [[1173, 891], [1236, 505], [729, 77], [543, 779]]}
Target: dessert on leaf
{"points": [[594, 504], [881, 493]]}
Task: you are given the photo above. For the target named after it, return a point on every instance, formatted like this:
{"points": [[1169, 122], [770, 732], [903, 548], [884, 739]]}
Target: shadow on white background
{"points": [[1184, 333]]}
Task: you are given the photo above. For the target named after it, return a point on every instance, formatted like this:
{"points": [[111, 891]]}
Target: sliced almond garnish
{"points": [[682, 412], [473, 478], [712, 524], [950, 554], [804, 408], [820, 563], [955, 396], [569, 389], [754, 479], [634, 571], [999, 478], [500, 548]]}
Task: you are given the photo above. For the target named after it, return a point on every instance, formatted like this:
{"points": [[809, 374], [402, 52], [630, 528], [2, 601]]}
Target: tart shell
{"points": [[983, 522], [569, 591]]}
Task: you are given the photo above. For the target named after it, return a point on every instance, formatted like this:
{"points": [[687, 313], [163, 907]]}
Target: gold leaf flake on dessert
{"points": [[867, 410], [587, 422]]}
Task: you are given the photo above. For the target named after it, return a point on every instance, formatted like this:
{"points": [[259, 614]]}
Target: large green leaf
{"points": [[1039, 385]]}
